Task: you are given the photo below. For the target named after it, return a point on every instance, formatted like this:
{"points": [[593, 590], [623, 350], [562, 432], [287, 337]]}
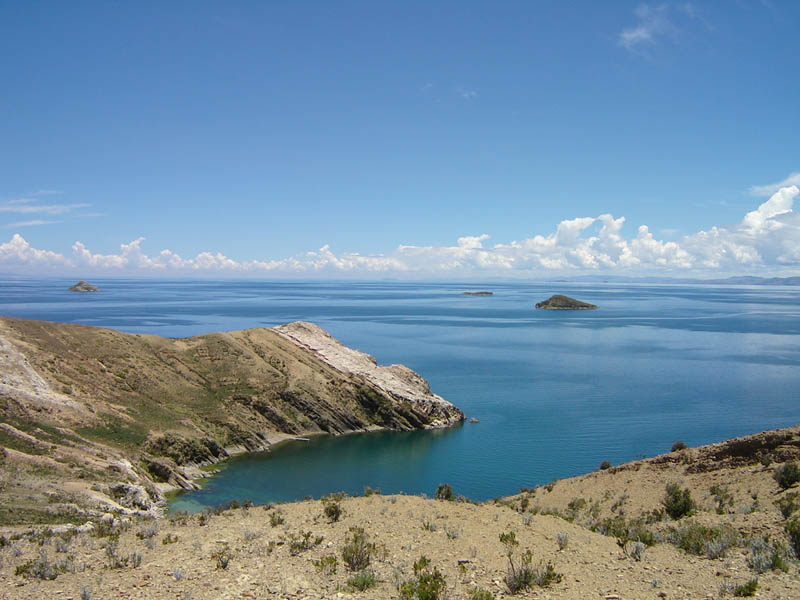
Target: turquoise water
{"points": [[556, 392]]}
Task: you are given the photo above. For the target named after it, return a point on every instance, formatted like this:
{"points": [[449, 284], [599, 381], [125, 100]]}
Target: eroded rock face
{"points": [[400, 382]]}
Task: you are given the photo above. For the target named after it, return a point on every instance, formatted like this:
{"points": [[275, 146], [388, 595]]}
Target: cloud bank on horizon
{"points": [[767, 240]]}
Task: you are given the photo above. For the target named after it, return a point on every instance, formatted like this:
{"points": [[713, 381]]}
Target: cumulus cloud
{"points": [[767, 238], [771, 188]]}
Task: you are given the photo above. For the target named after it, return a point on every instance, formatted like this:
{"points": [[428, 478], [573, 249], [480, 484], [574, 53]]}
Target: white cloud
{"points": [[25, 206], [31, 223], [17, 251], [767, 238], [656, 23], [769, 189]]}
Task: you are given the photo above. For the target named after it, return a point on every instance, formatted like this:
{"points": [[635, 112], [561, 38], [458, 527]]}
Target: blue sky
{"points": [[413, 139]]}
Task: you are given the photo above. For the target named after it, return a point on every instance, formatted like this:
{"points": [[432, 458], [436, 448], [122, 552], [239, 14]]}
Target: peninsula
{"points": [[94, 420], [478, 293], [559, 302]]}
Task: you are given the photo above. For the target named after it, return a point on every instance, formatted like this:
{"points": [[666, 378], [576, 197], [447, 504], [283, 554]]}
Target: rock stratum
{"points": [[559, 302], [95, 420]]}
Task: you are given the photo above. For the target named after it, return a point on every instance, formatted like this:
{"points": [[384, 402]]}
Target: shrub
{"points": [[788, 504], [678, 503], [677, 446], [712, 542], [303, 542], [39, 568], [428, 583], [358, 550], [793, 531], [787, 475], [169, 539], [563, 539], [765, 556], [444, 492], [222, 557], [362, 581], [276, 518], [605, 465], [722, 497], [747, 589], [634, 550], [147, 532], [326, 564], [480, 594], [332, 507]]}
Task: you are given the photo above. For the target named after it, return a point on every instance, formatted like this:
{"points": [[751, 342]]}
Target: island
{"points": [[83, 286], [559, 302], [478, 293]]}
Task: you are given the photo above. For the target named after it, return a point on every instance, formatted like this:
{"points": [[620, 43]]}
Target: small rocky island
{"points": [[478, 293], [83, 286], [559, 302]]}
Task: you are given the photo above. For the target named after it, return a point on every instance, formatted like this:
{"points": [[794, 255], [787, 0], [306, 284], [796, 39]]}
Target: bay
{"points": [[556, 392]]}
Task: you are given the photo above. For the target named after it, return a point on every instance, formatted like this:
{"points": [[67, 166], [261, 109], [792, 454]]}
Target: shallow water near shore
{"points": [[556, 392]]}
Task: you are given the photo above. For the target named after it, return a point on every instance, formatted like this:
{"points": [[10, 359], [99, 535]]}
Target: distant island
{"points": [[559, 302], [478, 293], [83, 286]]}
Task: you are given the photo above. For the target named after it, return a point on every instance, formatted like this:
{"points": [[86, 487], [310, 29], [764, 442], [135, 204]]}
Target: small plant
{"points": [[451, 533], [222, 557], [747, 589], [169, 539], [722, 497], [677, 446], [39, 568], [358, 550], [303, 542], [563, 540], [678, 503], [332, 507], [444, 492], [86, 594], [634, 550], [428, 525], [147, 532], [788, 504], [605, 465], [793, 531], [787, 475], [178, 574], [765, 556], [712, 542], [480, 594], [62, 545], [428, 584], [362, 581], [276, 518], [326, 564]]}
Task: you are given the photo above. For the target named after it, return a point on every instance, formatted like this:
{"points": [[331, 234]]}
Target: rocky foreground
{"points": [[94, 420], [610, 535]]}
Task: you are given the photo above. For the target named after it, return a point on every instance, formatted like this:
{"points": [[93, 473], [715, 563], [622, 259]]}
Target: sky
{"points": [[376, 140]]}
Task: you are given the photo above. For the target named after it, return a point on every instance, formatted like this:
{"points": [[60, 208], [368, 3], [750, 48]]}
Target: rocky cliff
{"points": [[96, 418]]}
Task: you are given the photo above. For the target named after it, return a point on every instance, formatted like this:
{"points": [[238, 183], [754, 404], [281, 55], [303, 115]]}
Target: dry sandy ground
{"points": [[464, 546]]}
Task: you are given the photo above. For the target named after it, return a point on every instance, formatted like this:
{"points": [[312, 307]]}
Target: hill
{"points": [[95, 420], [559, 302], [602, 535]]}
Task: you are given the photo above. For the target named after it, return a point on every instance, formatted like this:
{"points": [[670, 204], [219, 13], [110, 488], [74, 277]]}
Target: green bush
{"points": [[712, 542], [444, 492], [326, 564], [362, 581], [358, 550], [787, 475], [332, 507], [428, 584], [788, 504], [748, 589], [793, 531], [605, 465], [480, 594], [678, 503], [677, 446]]}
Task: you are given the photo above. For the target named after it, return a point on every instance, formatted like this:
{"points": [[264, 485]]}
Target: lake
{"points": [[556, 392]]}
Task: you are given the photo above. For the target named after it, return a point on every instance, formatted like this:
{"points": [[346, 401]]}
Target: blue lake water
{"points": [[556, 392]]}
